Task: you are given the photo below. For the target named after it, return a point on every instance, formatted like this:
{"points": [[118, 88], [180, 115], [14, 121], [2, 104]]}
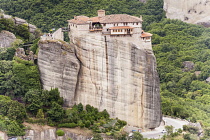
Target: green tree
{"points": [[33, 101], [169, 129], [137, 136], [40, 114], [56, 112]]}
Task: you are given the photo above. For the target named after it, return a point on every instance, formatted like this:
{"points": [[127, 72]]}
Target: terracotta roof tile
{"points": [[79, 20], [122, 27], [145, 34], [95, 19], [116, 18]]}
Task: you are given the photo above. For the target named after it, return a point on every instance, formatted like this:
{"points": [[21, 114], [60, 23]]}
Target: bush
{"points": [[185, 127], [67, 125], [60, 132]]}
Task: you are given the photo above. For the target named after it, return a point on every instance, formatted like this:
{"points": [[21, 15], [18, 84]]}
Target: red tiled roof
{"points": [[145, 34], [95, 19], [79, 20], [121, 27], [116, 18]]}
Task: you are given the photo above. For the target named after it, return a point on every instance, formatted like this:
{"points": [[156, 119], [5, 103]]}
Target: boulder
{"points": [[6, 39]]}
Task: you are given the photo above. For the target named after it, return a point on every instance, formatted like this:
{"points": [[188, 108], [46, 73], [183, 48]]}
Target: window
{"points": [[137, 23], [104, 24]]}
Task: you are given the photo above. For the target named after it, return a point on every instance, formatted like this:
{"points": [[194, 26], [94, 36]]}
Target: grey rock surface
{"points": [[120, 77], [58, 68], [107, 73], [48, 134], [6, 39], [19, 21], [193, 11]]}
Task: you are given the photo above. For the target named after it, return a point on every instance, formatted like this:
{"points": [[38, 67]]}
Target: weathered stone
{"points": [[20, 52], [3, 136], [188, 66], [115, 74], [19, 21], [49, 134], [208, 80], [121, 77], [197, 73], [193, 11], [6, 39], [59, 68]]}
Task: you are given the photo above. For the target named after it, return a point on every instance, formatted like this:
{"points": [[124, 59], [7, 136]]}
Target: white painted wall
{"points": [[58, 34]]}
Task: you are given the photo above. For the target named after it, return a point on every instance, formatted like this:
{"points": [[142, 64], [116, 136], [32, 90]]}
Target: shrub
{"points": [[60, 132], [185, 127], [87, 124], [179, 130], [68, 125]]}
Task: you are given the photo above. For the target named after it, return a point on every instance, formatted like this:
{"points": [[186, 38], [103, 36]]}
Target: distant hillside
{"points": [[53, 14], [183, 57]]}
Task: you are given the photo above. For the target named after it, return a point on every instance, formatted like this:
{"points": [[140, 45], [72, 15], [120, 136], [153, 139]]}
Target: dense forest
{"points": [[185, 93], [47, 14]]}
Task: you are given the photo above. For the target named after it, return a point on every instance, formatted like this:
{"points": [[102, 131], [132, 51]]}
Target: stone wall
{"points": [[58, 34], [191, 11]]}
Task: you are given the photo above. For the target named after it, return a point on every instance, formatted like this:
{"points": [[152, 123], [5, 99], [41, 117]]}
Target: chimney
{"points": [[75, 17], [101, 13], [141, 17]]}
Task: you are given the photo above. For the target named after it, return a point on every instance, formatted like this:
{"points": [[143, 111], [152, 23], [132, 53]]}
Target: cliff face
{"points": [[193, 11], [50, 134], [58, 68], [112, 74], [119, 76]]}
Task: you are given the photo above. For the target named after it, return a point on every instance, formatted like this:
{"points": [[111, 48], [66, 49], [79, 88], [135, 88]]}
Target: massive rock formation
{"points": [[113, 74], [58, 68], [121, 77], [193, 11], [6, 39]]}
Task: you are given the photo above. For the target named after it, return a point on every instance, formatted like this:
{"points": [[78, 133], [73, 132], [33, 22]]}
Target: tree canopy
{"points": [[55, 13]]}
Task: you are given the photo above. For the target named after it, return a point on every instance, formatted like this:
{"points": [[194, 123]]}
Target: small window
{"points": [[104, 24], [107, 29], [137, 23]]}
